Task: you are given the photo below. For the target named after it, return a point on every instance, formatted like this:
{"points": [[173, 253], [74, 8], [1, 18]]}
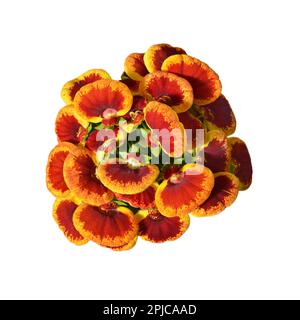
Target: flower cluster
{"points": [[110, 188]]}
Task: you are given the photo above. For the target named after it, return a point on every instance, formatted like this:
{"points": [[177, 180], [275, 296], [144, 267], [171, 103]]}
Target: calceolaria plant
{"points": [[137, 156]]}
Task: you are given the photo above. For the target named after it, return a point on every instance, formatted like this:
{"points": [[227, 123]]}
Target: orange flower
{"points": [[168, 88], [127, 177], [159, 116], [70, 88], [69, 126], [205, 82], [103, 99], [63, 211], [80, 176], [109, 226], [134, 66], [54, 173], [223, 194], [156, 55], [155, 227], [184, 190]]}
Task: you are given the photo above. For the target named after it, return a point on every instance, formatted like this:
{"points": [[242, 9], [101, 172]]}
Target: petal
{"points": [[142, 200], [223, 194], [216, 151], [113, 227], [134, 66], [70, 89], [219, 115], [159, 116], [130, 83], [190, 122], [91, 142], [240, 164], [184, 191], [139, 103], [205, 82], [121, 177], [80, 177], [168, 170], [102, 140], [69, 126], [109, 121], [157, 228], [54, 172], [63, 211], [126, 246], [168, 88], [156, 55], [101, 99]]}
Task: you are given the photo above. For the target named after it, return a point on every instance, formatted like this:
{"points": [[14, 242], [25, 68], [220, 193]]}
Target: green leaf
{"points": [[121, 203], [99, 126]]}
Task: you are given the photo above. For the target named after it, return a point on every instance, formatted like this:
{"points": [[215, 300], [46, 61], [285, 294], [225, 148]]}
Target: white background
{"points": [[249, 251]]}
